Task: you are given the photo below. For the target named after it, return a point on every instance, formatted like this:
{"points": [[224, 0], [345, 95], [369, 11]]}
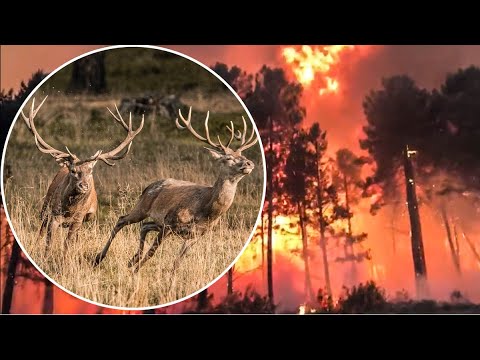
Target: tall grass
{"points": [[159, 151]]}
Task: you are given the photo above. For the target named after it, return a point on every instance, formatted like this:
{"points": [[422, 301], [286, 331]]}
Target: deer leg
{"points": [[52, 228], [156, 243], [122, 222], [43, 227], [146, 228], [72, 232], [186, 245]]}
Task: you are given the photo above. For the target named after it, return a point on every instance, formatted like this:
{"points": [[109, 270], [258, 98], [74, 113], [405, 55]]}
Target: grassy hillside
{"points": [[147, 71]]}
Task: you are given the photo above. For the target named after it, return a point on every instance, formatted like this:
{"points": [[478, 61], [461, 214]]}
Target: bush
{"points": [[361, 299], [250, 303]]}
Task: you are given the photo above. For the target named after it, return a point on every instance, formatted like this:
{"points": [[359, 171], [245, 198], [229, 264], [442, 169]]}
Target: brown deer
{"points": [[71, 197], [185, 208]]}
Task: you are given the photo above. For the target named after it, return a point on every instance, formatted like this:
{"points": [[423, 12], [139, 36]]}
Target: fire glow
{"points": [[285, 241], [311, 63]]}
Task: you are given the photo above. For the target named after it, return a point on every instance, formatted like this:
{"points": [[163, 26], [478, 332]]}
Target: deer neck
{"points": [[222, 195], [73, 196]]}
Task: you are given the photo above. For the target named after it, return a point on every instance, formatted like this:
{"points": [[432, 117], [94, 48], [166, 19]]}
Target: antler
{"points": [[188, 125], [113, 155], [60, 156], [239, 136], [244, 145]]}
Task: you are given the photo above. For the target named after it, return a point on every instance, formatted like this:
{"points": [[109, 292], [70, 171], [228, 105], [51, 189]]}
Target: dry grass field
{"points": [[159, 151]]}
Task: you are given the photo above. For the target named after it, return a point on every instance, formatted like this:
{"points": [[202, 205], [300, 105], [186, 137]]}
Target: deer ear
{"points": [[216, 155]]}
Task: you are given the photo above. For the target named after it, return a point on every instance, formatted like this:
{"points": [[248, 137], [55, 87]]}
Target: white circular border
{"points": [[172, 52]]}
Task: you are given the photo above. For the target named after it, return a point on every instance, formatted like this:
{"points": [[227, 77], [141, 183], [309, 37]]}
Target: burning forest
{"points": [[372, 198]]}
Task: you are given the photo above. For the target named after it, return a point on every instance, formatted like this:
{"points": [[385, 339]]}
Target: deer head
{"points": [[232, 163], [81, 171]]}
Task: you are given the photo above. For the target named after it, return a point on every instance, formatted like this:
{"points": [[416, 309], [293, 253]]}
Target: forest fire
{"points": [[316, 65], [335, 86], [285, 241]]}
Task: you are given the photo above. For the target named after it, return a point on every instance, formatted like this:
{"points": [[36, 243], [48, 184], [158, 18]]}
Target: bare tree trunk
{"points": [[48, 298], [392, 225], [323, 247], [453, 251], [262, 234], [323, 242], [472, 247], [230, 281], [10, 281], [350, 232], [457, 244], [308, 281], [418, 254], [269, 252], [270, 220]]}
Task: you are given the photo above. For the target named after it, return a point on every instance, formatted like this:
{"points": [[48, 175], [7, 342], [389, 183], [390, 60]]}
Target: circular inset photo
{"points": [[133, 177]]}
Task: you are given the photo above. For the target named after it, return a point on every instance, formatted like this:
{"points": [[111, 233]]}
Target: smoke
{"points": [[362, 70]]}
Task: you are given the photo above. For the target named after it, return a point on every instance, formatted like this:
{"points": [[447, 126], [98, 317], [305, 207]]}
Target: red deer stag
{"points": [[71, 197], [183, 207]]}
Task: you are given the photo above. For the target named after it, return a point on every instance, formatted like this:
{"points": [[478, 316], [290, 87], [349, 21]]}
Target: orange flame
{"points": [[301, 309], [307, 63], [284, 241]]}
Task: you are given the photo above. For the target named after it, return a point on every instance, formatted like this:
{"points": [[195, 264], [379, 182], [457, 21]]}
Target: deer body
{"points": [[71, 197], [69, 202], [186, 208]]}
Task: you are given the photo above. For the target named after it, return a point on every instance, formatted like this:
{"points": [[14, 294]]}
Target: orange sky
{"points": [[358, 73]]}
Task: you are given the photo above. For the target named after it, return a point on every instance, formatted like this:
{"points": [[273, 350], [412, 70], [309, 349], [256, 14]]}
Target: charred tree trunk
{"points": [[202, 300], [323, 241], [392, 226], [453, 251], [48, 298], [349, 243], [262, 234], [472, 247], [270, 218], [457, 244], [230, 281], [10, 281], [323, 247], [418, 254], [308, 281]]}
